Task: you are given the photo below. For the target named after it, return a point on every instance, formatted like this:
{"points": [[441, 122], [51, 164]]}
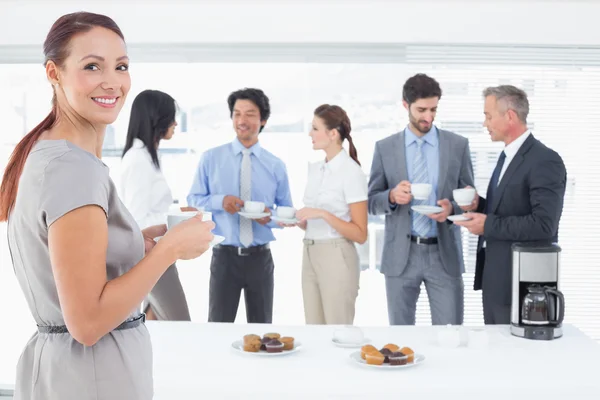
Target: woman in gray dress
{"points": [[80, 258], [146, 193]]}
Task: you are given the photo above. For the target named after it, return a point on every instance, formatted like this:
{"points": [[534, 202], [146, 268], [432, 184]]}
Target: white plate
{"points": [[217, 239], [254, 215], [427, 210], [459, 217], [238, 345], [287, 221], [350, 345], [355, 357]]}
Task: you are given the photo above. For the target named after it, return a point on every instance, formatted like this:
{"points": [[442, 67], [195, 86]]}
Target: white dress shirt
{"points": [[143, 188], [333, 186], [511, 151]]}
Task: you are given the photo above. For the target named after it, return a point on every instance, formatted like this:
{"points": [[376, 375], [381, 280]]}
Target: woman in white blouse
{"points": [[335, 218], [146, 194]]}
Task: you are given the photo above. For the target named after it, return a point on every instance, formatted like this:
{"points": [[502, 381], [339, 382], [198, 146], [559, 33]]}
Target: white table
{"points": [[193, 360]]}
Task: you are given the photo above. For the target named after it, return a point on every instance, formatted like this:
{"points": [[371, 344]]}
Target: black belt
{"points": [[423, 240], [243, 251], [132, 323]]}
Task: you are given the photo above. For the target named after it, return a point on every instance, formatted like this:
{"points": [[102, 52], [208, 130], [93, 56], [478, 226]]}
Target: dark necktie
{"points": [[494, 183]]}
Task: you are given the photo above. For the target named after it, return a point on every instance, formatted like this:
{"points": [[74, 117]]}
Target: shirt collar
{"points": [[511, 149], [336, 162], [238, 147], [138, 144], [430, 137]]}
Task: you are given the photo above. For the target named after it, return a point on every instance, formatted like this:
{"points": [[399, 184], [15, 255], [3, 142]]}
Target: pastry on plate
{"points": [[409, 352], [288, 342], [272, 335], [250, 337], [274, 346], [374, 358], [252, 345], [366, 349], [398, 358], [392, 347], [386, 353]]}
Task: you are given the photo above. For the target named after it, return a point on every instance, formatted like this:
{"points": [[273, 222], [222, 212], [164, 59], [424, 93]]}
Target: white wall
{"points": [[564, 22]]}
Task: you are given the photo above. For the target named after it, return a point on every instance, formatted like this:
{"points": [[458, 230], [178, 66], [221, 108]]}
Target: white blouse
{"points": [[143, 188], [333, 186]]}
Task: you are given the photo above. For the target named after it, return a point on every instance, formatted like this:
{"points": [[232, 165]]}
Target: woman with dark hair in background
{"points": [[81, 260], [335, 218], [146, 194]]}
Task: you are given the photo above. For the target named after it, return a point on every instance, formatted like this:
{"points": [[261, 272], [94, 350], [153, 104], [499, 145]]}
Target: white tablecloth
{"points": [[193, 361]]}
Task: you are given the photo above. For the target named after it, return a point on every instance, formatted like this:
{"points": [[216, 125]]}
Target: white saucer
{"points": [[217, 239], [287, 221], [238, 346], [458, 217], [427, 210], [350, 345], [355, 357], [254, 215]]}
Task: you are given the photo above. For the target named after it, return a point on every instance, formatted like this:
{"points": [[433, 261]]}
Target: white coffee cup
{"points": [[286, 212], [176, 217], [254, 207], [349, 334], [464, 197], [420, 191]]}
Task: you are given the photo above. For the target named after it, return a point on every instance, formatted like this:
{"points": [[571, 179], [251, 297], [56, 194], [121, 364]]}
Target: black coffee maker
{"points": [[538, 306]]}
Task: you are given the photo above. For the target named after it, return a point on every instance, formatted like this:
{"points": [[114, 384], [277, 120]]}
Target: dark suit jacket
{"points": [[527, 207]]}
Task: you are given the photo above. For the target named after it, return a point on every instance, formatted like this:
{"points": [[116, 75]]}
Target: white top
{"points": [[143, 187], [333, 186], [511, 151]]}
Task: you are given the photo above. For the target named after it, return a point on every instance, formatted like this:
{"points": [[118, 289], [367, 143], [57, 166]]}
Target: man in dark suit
{"points": [[524, 199]]}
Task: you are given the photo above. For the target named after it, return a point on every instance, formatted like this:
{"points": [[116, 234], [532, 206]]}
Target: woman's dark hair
{"points": [[335, 117], [56, 49], [420, 86], [256, 96], [152, 114]]}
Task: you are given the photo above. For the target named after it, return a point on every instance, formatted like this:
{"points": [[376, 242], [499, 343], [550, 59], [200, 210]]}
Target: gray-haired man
{"points": [[524, 199]]}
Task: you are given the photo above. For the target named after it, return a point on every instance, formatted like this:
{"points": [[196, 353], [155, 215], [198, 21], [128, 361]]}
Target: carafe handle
{"points": [[555, 317]]}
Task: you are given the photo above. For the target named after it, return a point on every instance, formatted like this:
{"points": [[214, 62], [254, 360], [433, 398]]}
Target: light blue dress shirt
{"points": [[431, 151], [218, 175]]}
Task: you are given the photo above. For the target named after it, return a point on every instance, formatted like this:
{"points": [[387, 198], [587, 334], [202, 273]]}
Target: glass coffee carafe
{"points": [[543, 306]]}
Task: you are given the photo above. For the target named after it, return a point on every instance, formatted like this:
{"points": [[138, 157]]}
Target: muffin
{"points": [[386, 353], [409, 352], [366, 349], [288, 343], [263, 343], [374, 358], [252, 345], [272, 335], [274, 346], [398, 358], [251, 337], [392, 347]]}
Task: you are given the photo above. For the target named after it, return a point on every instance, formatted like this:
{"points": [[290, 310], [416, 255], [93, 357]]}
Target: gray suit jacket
{"points": [[389, 169], [527, 207]]}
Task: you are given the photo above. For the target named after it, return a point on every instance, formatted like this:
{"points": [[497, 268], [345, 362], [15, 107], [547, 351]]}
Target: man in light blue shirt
{"points": [[421, 245], [226, 178]]}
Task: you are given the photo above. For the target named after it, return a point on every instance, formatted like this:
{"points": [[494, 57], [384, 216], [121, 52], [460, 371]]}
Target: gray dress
{"points": [[59, 177]]}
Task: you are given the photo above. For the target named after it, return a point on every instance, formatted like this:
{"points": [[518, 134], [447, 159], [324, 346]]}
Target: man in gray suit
{"points": [[421, 248], [524, 199]]}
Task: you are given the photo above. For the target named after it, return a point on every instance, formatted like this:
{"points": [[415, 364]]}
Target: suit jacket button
{"points": [[408, 236]]}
